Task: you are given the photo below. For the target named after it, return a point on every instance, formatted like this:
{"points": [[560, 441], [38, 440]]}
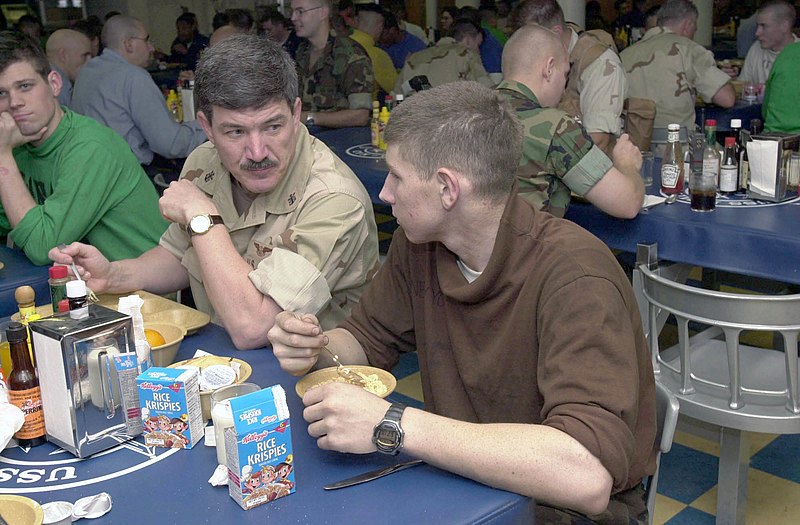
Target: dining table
{"points": [[744, 111], [17, 270], [168, 486]]}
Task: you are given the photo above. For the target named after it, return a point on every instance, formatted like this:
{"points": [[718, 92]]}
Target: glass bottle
{"points": [[729, 170], [736, 131], [711, 157], [58, 285], [672, 164], [374, 125], [78, 300], [23, 388]]}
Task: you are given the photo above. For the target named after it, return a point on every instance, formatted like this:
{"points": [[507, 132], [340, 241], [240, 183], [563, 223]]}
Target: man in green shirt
{"points": [[780, 110], [64, 177]]}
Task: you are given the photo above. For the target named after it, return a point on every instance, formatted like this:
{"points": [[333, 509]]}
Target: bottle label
{"points": [[728, 179], [744, 174], [30, 402], [669, 175], [673, 136]]}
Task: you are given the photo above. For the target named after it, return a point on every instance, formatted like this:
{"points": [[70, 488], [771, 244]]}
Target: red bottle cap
{"points": [[711, 122], [63, 305], [730, 141], [58, 272]]}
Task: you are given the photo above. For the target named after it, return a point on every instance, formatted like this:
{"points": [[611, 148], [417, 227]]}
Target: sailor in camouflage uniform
{"points": [[335, 73], [559, 156], [669, 68], [450, 60]]}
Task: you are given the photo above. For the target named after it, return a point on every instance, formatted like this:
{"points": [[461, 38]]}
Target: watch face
{"points": [[200, 223], [388, 437]]}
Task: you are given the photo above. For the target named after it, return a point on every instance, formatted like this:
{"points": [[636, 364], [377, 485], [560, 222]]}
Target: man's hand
{"points": [[296, 341], [626, 156], [11, 136], [183, 200], [180, 49], [342, 417], [94, 268]]}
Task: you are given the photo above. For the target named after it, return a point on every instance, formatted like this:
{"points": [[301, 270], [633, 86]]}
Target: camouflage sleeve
{"points": [[358, 80], [574, 158], [703, 72], [603, 89]]}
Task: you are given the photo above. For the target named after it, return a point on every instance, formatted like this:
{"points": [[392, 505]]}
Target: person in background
{"points": [[669, 68], [369, 27], [781, 110], [775, 19], [398, 9], [397, 43], [488, 14], [446, 18], [651, 18], [491, 49], [347, 14], [594, 16], [92, 27], [31, 26], [223, 32], [450, 60], [469, 253], [189, 43], [746, 34], [221, 18], [636, 16], [264, 218], [241, 18], [65, 177], [559, 157], [503, 11], [279, 29], [597, 86], [116, 90], [68, 51], [335, 72]]}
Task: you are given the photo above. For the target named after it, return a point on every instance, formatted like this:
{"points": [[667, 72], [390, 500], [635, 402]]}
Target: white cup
{"points": [[221, 415]]}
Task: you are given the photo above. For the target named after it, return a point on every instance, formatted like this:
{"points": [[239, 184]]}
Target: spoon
{"points": [[90, 295], [350, 375]]}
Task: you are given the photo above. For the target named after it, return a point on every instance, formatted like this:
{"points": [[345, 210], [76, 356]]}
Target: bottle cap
{"points": [[16, 332], [58, 272], [76, 289], [674, 127], [736, 123], [711, 122], [730, 141], [24, 295], [63, 305]]}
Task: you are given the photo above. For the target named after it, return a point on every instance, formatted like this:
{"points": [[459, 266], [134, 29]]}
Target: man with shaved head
{"points": [[367, 32], [559, 155], [116, 90], [68, 51], [775, 19]]}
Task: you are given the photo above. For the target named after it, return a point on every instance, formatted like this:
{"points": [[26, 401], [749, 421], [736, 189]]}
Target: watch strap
{"points": [[214, 219], [391, 422]]}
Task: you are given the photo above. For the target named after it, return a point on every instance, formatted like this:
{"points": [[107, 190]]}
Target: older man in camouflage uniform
{"points": [[335, 73], [261, 221], [558, 154], [450, 60], [669, 68], [596, 87]]}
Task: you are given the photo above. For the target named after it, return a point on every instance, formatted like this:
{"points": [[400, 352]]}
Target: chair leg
{"points": [[734, 461]]}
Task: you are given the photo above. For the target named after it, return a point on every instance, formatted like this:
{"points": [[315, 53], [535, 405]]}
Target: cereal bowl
{"points": [[378, 381], [164, 354]]}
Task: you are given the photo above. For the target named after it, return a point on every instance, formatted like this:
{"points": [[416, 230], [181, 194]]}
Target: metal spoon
{"points": [[90, 295], [350, 375]]}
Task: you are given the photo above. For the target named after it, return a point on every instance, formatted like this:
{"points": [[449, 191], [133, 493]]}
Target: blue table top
{"points": [[353, 146], [742, 110], [759, 240], [18, 271], [169, 486]]}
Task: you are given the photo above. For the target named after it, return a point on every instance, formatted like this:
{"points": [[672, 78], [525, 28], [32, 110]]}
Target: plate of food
{"points": [[376, 380]]}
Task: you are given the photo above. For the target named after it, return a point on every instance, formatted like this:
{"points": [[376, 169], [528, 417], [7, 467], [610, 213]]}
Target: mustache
{"points": [[253, 165]]}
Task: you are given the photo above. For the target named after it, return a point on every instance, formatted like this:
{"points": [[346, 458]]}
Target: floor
{"points": [[687, 488]]}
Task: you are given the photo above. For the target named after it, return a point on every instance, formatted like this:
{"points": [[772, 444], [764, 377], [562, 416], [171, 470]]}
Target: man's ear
{"points": [[205, 123], [55, 82], [449, 186], [298, 108], [548, 68]]}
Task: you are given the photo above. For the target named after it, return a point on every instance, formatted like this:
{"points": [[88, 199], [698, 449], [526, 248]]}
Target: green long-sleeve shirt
{"points": [[88, 187]]}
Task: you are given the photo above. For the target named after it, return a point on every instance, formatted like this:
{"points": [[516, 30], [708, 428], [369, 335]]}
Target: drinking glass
{"points": [[221, 414]]}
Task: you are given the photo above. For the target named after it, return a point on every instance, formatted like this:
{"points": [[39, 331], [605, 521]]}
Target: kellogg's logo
{"points": [[269, 418], [255, 437], [147, 385]]}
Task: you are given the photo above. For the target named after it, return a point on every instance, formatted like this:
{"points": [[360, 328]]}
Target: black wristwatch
{"points": [[388, 434], [200, 224]]}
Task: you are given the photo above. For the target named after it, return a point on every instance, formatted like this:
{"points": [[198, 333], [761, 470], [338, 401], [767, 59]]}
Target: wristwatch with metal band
{"points": [[309, 119], [200, 224], [388, 434]]}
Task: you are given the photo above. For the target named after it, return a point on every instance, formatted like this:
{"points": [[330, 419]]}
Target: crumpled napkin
{"points": [[11, 419]]}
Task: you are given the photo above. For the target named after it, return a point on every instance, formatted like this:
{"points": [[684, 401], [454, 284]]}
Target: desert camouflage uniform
{"points": [[311, 242], [597, 87], [671, 70], [447, 61], [342, 77], [558, 156]]}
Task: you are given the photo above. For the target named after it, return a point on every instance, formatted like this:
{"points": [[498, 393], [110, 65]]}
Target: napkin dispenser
{"points": [[769, 156], [79, 384]]}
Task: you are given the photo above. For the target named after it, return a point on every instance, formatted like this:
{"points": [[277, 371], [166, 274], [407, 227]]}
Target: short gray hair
{"points": [[780, 10], [243, 72], [118, 29], [480, 136], [676, 11]]}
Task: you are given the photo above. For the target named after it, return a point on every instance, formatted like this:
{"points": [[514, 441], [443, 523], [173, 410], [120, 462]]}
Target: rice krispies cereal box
{"points": [[170, 403], [259, 448]]}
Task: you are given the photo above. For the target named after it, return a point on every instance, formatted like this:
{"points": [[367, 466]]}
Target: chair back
{"points": [[667, 408], [717, 379]]}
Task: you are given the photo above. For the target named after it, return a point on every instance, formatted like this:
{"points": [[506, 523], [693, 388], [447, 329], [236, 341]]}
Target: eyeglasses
{"points": [[300, 11], [146, 39]]}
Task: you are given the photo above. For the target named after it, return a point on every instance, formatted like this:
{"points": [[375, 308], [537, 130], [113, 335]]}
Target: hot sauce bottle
{"points": [[23, 388]]}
